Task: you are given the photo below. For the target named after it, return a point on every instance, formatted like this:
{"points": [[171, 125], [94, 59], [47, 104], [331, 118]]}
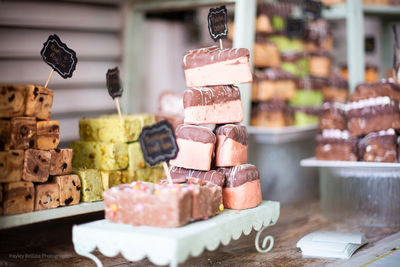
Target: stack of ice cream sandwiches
{"points": [[212, 142], [363, 129]]}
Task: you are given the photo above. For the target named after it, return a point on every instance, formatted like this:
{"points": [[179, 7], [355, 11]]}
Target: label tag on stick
{"points": [[114, 83], [217, 20], [58, 56], [158, 143]]}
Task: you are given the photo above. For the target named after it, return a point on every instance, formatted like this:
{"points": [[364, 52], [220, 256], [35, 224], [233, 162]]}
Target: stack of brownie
{"points": [[34, 173], [212, 142], [363, 129]]}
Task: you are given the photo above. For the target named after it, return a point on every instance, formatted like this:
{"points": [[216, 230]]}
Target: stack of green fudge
{"points": [[109, 154]]}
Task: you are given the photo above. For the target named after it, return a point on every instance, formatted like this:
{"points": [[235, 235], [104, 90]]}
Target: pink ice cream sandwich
{"points": [[232, 141], [213, 66], [196, 146], [212, 105], [242, 187]]}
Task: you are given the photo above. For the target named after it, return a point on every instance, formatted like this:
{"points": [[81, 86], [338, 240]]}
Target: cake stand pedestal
{"points": [[174, 245]]}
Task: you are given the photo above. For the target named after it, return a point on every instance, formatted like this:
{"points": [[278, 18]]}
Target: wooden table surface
{"points": [[50, 244]]}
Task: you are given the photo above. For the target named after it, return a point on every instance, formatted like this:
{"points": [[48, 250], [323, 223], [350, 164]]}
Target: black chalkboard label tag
{"points": [[114, 83], [217, 20], [158, 143], [312, 9], [61, 58], [295, 28]]}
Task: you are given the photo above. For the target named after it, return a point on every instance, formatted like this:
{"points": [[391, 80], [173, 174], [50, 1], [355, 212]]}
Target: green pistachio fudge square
{"points": [[308, 98], [111, 156], [84, 154], [136, 160], [110, 128], [102, 129], [128, 176], [157, 174], [134, 123], [91, 184], [111, 178], [143, 174], [302, 118], [100, 155]]}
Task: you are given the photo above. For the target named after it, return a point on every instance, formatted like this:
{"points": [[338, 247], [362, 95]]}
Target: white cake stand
{"points": [[174, 245]]}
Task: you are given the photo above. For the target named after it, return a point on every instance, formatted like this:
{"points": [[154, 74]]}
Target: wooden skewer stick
{"points": [[220, 44], [166, 170], [118, 108], [48, 79]]}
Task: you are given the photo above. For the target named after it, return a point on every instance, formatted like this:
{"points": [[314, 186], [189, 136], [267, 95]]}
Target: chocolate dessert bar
{"points": [[333, 116], [266, 53], [213, 66], [271, 114], [12, 100], [373, 90], [36, 165], [142, 203], [11, 165], [378, 147], [336, 145], [47, 134], [372, 115], [69, 187], [273, 83], [180, 175], [61, 161], [196, 147], [264, 16], [206, 198], [232, 143], [296, 63], [212, 105], [318, 36], [242, 187], [320, 64], [47, 196], [5, 134], [38, 101], [336, 89], [23, 133], [18, 197]]}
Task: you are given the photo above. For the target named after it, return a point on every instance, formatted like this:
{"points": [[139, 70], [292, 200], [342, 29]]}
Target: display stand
{"points": [[360, 193], [174, 245]]}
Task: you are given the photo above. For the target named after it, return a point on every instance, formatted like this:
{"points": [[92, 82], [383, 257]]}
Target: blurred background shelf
{"points": [[9, 221], [266, 135], [354, 13]]}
